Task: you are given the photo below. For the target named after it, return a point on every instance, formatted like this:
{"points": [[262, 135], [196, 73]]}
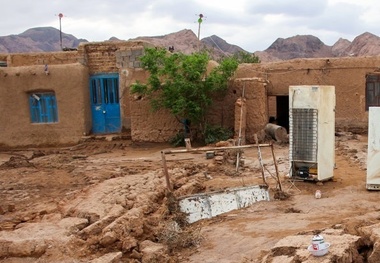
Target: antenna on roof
{"points": [[200, 20], [60, 15]]}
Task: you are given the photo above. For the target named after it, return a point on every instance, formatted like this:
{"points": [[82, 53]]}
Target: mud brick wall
{"points": [[101, 59], [160, 126], [3, 60], [120, 57], [254, 93], [42, 58], [222, 111], [150, 126], [128, 77], [25, 71], [348, 75], [69, 83], [110, 57]]}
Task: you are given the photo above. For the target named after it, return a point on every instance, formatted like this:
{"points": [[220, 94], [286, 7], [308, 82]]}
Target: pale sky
{"points": [[251, 24]]}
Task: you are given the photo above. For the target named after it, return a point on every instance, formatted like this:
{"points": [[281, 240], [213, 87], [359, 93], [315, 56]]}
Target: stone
{"points": [[129, 243], [219, 158], [22, 248], [152, 251], [108, 258], [73, 224], [223, 144], [11, 208], [108, 239], [135, 254], [292, 248]]}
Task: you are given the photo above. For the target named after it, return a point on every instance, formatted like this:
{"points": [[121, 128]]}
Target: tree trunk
{"points": [[277, 132]]}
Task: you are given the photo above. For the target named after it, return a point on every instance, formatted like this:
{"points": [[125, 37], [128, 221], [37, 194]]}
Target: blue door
{"points": [[105, 106]]}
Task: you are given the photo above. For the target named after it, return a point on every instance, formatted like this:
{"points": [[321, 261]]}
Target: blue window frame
{"points": [[110, 86], [43, 107]]}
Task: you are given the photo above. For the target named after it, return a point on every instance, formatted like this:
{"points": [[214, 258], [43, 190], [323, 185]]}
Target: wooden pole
{"points": [[165, 168], [165, 171], [275, 166], [260, 160], [205, 149], [240, 127]]}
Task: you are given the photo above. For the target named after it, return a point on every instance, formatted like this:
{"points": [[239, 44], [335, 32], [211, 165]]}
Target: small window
{"points": [[104, 89], [43, 107], [96, 92], [372, 91]]}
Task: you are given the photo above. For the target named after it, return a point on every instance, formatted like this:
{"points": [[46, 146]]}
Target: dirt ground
{"points": [[105, 200]]}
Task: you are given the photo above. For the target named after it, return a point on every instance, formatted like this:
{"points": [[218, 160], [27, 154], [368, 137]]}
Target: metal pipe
{"points": [[60, 29]]}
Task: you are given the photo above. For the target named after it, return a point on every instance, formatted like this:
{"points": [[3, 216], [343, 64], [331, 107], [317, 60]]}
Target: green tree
{"points": [[246, 57], [180, 83]]}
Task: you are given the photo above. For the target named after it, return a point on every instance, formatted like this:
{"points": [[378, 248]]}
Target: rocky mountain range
{"points": [[39, 39], [43, 39], [187, 42], [308, 46]]}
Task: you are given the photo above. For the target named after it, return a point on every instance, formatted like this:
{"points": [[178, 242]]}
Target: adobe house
{"points": [[56, 98], [265, 89], [356, 81]]}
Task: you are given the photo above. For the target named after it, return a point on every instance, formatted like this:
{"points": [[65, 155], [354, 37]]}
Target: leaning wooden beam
{"points": [[205, 149], [260, 160], [166, 173], [276, 167]]}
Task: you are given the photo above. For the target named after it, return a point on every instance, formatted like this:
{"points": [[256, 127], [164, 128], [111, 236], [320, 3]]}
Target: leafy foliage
{"points": [[246, 57], [215, 134], [178, 140], [181, 83]]}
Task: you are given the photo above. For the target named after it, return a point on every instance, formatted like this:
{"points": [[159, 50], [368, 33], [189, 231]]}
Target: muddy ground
{"points": [[105, 200]]}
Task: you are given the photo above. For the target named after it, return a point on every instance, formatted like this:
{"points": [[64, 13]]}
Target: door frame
{"points": [[105, 103]]}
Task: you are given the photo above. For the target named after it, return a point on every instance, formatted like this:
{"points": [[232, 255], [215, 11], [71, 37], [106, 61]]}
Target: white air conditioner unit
{"points": [[373, 154], [312, 132]]}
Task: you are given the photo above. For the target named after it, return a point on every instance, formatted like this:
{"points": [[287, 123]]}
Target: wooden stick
{"points": [[214, 148], [275, 166], [165, 168], [260, 160], [240, 127], [166, 173]]}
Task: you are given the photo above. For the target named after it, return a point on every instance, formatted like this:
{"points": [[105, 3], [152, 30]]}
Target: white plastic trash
{"points": [[318, 246]]}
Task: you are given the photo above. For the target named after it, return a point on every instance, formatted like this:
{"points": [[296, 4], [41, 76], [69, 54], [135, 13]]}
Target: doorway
{"points": [[282, 116], [105, 106], [278, 110]]}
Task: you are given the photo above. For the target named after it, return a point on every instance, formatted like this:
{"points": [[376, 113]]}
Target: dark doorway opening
{"points": [[282, 111]]}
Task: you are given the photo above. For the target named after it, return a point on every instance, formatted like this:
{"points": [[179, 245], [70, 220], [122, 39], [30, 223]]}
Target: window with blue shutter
{"points": [[43, 107]]}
